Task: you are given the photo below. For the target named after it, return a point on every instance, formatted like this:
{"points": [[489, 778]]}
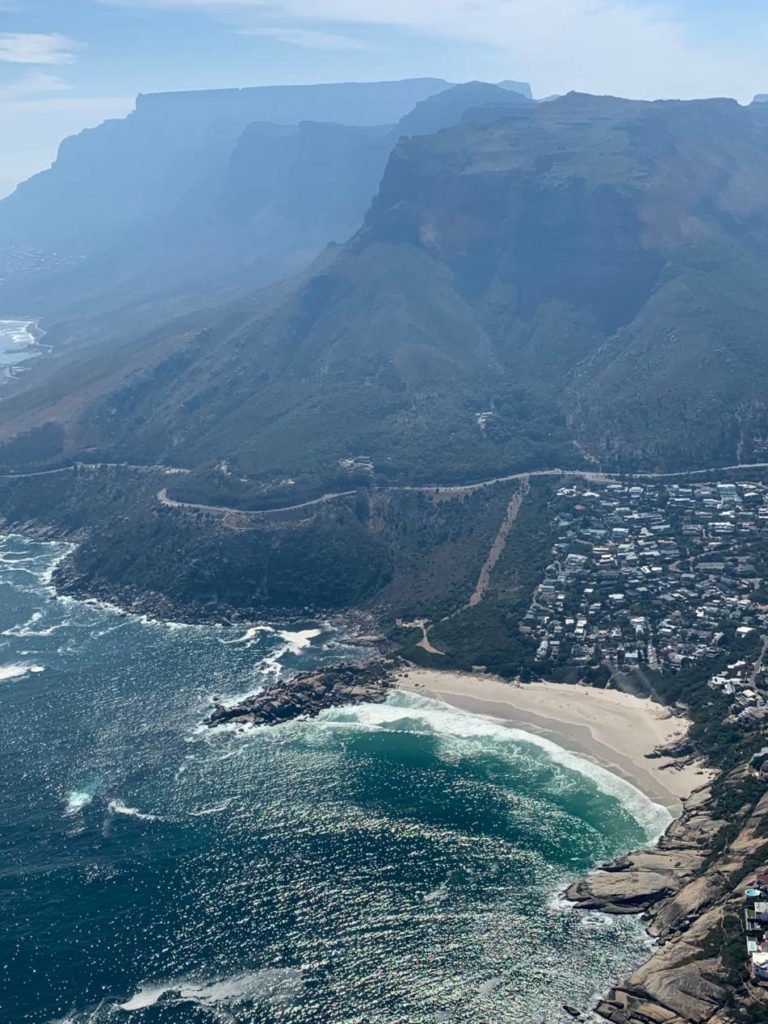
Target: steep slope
{"points": [[284, 193], [197, 198], [617, 248], [124, 172], [115, 205], [448, 108], [583, 272]]}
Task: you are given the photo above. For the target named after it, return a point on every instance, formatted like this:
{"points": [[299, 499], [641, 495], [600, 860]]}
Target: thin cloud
{"points": [[33, 86], [37, 48], [310, 39], [640, 48]]}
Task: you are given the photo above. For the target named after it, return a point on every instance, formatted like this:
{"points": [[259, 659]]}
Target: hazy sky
{"points": [[67, 64]]}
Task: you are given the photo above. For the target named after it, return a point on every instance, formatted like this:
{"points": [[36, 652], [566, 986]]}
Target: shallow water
{"points": [[16, 342], [384, 863]]}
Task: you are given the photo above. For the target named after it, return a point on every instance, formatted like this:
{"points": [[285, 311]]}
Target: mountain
{"points": [[520, 87], [114, 209], [535, 286], [196, 198], [449, 107], [122, 174], [572, 284], [284, 193]]}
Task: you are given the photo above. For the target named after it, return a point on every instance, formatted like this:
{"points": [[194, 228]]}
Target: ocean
{"points": [[395, 863], [17, 344]]}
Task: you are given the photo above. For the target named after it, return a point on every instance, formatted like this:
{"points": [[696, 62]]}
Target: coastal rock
{"points": [[626, 892], [308, 694], [677, 749], [642, 879], [690, 885], [679, 979]]}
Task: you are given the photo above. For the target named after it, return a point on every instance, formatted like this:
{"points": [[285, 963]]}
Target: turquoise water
{"points": [[395, 863]]}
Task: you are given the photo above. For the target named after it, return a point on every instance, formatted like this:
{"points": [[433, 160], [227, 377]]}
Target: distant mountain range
{"points": [[534, 284], [199, 197]]}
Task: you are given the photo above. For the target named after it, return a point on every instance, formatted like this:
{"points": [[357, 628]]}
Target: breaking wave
{"points": [[77, 799], [19, 671], [118, 807], [272, 986], [461, 734]]}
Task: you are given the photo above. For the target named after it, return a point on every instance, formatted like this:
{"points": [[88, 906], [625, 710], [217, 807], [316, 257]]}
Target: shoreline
{"points": [[617, 731]]}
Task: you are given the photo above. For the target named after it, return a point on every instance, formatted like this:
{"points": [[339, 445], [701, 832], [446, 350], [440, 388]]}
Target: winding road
{"points": [[591, 476]]}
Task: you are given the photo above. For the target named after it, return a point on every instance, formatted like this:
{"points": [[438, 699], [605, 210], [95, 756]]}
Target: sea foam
{"points": [[458, 732], [19, 671], [77, 799], [118, 807], [275, 986]]}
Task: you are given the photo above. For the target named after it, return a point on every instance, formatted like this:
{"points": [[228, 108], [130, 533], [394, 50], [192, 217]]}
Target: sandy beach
{"points": [[613, 729]]}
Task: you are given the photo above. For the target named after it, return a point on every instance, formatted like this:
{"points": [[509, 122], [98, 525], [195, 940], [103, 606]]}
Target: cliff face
{"points": [[136, 208], [118, 176], [687, 887], [196, 198], [590, 269]]}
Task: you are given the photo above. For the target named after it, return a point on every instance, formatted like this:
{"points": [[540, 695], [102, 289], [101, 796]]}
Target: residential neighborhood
{"points": [[659, 576]]}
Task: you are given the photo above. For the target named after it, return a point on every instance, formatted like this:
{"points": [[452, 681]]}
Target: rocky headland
{"points": [[690, 887], [307, 694]]}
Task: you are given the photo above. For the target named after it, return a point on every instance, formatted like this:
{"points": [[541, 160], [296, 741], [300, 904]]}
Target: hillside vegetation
{"points": [[541, 285], [578, 283]]}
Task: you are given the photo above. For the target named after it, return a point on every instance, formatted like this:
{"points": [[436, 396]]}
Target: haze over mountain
{"points": [[203, 195], [587, 272], [361, 380]]}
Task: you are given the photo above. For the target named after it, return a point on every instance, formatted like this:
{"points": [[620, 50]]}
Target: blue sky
{"points": [[67, 64]]}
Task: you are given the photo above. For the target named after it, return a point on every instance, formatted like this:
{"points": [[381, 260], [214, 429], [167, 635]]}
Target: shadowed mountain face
{"points": [[535, 283], [130, 206], [198, 197], [117, 176]]}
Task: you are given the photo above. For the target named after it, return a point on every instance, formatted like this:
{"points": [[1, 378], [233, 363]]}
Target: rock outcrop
{"points": [[308, 694], [687, 887], [640, 880]]}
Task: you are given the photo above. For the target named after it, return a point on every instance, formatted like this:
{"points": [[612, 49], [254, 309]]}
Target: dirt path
{"points": [[168, 470], [424, 643], [497, 549]]}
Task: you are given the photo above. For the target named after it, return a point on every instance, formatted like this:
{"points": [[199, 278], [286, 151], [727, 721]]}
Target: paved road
{"points": [[162, 497], [590, 476]]}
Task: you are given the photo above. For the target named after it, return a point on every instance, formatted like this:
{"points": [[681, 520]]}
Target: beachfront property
{"points": [[756, 926], [662, 576]]}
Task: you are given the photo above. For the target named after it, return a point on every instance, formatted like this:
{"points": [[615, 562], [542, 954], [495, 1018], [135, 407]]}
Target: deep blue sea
{"points": [[396, 863]]}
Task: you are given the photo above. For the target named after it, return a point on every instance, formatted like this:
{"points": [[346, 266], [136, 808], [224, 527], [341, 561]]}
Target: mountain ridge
{"points": [[510, 276]]}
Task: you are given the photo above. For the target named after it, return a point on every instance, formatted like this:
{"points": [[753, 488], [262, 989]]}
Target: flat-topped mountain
{"points": [[115, 177], [133, 209], [196, 198], [537, 285]]}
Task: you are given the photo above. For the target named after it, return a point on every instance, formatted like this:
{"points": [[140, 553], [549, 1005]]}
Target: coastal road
{"points": [[162, 497], [590, 476]]}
